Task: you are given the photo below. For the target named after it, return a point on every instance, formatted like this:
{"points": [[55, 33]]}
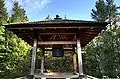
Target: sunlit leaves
{"points": [[103, 56]]}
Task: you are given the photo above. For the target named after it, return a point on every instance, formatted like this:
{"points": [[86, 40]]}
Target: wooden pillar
{"points": [[42, 62], [33, 56], [79, 57], [74, 63], [74, 60]]}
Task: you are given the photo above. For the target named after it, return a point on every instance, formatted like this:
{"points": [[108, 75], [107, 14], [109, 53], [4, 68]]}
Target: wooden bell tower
{"points": [[47, 34]]}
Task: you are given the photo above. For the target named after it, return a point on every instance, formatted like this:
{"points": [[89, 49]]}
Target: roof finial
{"points": [[57, 17]]}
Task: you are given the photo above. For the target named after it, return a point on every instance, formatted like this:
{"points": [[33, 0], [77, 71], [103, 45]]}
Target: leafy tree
{"points": [[105, 10], [2, 49], [101, 13], [112, 10], [3, 12], [14, 52], [18, 52], [3, 19], [18, 14], [102, 55]]}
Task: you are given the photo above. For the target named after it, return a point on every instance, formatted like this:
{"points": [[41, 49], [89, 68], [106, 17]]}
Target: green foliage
{"points": [[102, 57], [14, 52], [3, 12], [101, 12], [105, 10], [59, 64], [2, 46], [18, 14], [55, 64]]}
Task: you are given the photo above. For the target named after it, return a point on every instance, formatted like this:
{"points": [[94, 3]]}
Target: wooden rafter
{"points": [[63, 30]]}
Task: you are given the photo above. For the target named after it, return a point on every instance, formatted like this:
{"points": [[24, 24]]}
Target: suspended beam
{"points": [[57, 42]]}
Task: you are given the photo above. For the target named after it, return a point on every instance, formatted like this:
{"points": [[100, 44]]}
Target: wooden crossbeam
{"points": [[88, 32], [56, 42], [56, 33], [63, 49], [56, 75]]}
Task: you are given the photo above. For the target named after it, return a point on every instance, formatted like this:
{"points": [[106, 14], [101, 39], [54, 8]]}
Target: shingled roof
{"points": [[59, 22], [87, 30]]}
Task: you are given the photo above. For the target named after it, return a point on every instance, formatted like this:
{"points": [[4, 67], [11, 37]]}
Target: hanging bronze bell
{"points": [[57, 50]]}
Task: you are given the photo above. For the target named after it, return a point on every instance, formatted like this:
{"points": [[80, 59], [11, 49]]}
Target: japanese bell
{"points": [[57, 50]]}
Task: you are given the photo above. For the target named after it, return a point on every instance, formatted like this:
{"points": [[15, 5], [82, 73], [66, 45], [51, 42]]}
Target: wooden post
{"points": [[79, 57], [74, 60], [42, 63], [33, 57], [74, 63]]}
